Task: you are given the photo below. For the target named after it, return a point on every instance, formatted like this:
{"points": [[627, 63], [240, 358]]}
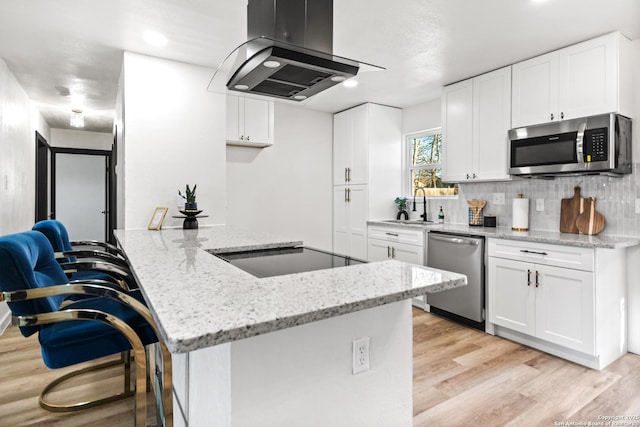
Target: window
{"points": [[424, 150]]}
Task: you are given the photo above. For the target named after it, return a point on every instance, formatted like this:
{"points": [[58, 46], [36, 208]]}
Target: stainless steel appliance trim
{"points": [[456, 240]]}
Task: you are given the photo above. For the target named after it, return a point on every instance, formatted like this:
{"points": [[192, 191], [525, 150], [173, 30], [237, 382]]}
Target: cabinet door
{"points": [[457, 122], [565, 308], [407, 253], [358, 215], [378, 250], [233, 119], [535, 91], [359, 167], [258, 120], [342, 145], [491, 122], [512, 294], [341, 233], [589, 78]]}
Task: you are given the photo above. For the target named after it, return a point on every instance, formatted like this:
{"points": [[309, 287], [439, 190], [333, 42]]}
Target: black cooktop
{"points": [[281, 261]]}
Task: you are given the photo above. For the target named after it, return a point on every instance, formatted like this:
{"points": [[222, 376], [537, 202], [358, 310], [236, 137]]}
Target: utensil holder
{"points": [[476, 216]]}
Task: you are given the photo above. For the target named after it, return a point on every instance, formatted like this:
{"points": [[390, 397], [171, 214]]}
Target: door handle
{"points": [[537, 278], [348, 195], [393, 252], [103, 212], [345, 196], [388, 252], [528, 277], [526, 251], [349, 174], [346, 178]]}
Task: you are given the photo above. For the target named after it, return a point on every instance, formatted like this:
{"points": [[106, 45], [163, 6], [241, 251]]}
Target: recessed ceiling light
{"points": [[241, 87], [338, 79], [300, 97], [154, 38], [350, 83], [271, 64]]}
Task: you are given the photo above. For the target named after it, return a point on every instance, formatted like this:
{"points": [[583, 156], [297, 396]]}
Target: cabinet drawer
{"points": [[398, 235], [540, 253]]}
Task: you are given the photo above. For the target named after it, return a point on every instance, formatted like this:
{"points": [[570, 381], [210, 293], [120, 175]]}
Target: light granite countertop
{"points": [[550, 237], [199, 300]]}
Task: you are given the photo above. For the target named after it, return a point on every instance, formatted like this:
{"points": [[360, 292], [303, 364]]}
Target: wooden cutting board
{"points": [[590, 221], [569, 211]]}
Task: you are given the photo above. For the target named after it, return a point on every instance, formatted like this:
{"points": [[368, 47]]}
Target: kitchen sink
{"points": [[408, 221]]}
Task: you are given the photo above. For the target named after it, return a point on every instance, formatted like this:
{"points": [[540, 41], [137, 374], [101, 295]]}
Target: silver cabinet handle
{"points": [[392, 234], [348, 194], [526, 251], [393, 252], [349, 174], [346, 178], [345, 196]]}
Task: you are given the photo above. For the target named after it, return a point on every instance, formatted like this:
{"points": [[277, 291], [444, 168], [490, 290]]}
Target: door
{"points": [[588, 78], [42, 178], [359, 157], [341, 234], [512, 294], [342, 132], [80, 192], [535, 91], [358, 215], [565, 308], [378, 250], [491, 123], [457, 122]]}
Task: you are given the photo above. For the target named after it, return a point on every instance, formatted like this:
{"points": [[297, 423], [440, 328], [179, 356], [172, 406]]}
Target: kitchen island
{"points": [[279, 350]]}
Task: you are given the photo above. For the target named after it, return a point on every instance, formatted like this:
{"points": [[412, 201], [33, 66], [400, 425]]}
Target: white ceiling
{"points": [[65, 48]]}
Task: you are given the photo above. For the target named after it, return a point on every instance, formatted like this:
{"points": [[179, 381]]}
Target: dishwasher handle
{"points": [[457, 240]]}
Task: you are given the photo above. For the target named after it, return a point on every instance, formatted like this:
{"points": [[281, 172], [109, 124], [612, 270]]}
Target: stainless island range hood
{"points": [[288, 54]]}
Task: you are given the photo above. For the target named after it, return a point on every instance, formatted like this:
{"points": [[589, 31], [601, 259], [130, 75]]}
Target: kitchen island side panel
{"points": [[303, 375]]}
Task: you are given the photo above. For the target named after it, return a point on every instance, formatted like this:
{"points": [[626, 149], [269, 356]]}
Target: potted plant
{"points": [[401, 204], [190, 203]]}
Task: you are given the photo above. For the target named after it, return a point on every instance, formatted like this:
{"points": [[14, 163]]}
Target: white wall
{"points": [[174, 132], [286, 188], [19, 120], [81, 139]]}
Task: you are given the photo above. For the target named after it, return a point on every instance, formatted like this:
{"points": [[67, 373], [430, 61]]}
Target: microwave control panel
{"points": [[596, 144]]}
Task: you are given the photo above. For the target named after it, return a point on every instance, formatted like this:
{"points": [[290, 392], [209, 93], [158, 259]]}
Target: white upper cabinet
{"points": [[585, 79], [476, 115], [250, 122], [351, 146]]}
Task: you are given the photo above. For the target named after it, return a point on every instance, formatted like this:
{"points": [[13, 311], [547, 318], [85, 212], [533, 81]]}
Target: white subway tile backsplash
{"points": [[615, 199]]}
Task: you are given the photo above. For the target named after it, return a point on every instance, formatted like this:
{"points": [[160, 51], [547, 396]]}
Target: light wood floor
{"points": [[462, 377]]}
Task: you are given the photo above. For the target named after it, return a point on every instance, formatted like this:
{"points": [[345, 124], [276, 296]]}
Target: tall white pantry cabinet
{"points": [[367, 154]]}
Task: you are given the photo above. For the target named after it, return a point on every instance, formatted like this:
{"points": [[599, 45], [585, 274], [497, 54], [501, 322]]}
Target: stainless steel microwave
{"points": [[590, 145]]}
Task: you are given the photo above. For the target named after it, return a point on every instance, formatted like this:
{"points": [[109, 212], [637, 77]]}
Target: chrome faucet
{"points": [[424, 203]]}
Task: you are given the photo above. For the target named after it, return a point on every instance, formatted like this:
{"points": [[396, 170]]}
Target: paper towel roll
{"points": [[520, 214]]}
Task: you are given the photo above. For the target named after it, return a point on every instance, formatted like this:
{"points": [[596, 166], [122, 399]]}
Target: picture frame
{"points": [[155, 223]]}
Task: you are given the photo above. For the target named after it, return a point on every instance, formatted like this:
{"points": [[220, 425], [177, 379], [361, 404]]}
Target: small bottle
{"points": [[441, 216]]}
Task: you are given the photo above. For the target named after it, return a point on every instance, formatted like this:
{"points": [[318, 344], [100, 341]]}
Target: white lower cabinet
{"points": [[549, 297], [350, 209], [400, 244]]}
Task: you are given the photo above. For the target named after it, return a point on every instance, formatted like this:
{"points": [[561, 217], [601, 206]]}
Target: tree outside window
{"points": [[425, 168]]}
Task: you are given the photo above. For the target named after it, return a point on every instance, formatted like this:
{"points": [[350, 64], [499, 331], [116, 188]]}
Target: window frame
{"points": [[407, 162]]}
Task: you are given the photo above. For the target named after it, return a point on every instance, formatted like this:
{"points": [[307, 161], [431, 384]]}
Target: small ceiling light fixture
{"points": [[77, 119], [350, 83], [241, 87], [300, 97], [271, 64], [338, 79], [154, 38]]}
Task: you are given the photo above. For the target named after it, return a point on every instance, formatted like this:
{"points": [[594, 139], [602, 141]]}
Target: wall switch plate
{"points": [[498, 198], [638, 206], [361, 355], [540, 205]]}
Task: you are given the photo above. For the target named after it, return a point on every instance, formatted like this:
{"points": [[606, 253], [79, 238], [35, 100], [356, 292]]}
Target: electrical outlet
{"points": [[498, 198], [540, 205], [360, 355]]}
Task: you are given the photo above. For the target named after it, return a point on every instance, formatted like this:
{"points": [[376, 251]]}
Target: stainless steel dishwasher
{"points": [[462, 254]]}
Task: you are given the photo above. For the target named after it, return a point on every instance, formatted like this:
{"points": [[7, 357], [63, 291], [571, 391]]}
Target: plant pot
{"points": [[191, 206], [402, 213]]}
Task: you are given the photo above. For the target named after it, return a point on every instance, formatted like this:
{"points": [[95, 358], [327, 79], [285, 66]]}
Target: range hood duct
{"points": [[293, 55]]}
